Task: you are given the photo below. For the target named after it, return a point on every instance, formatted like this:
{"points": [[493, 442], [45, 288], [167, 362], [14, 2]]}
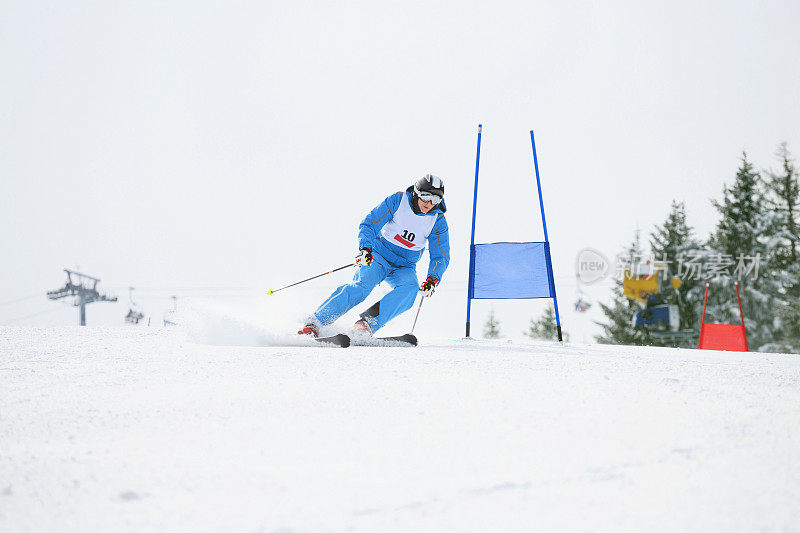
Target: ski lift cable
{"points": [[24, 298], [8, 321]]}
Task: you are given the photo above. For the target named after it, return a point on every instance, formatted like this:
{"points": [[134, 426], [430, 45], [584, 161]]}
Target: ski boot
{"points": [[309, 329], [361, 328]]}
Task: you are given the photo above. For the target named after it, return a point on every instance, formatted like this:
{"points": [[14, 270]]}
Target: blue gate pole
{"points": [[472, 237], [546, 240]]}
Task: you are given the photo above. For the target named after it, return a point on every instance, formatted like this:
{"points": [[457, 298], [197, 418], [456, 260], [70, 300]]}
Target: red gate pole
{"points": [[741, 314], [703, 320]]}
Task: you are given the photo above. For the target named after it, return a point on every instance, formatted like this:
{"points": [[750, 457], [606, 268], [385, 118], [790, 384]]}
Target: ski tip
{"points": [[387, 342], [408, 338], [270, 292], [339, 340]]}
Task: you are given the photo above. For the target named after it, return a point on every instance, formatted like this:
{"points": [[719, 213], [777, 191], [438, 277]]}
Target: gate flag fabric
{"points": [[728, 337], [511, 270]]}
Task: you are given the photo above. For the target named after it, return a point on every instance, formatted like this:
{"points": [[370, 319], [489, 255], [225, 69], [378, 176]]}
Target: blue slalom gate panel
{"points": [[511, 270]]}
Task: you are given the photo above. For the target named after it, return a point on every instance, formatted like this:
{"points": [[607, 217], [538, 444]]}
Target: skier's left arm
{"points": [[439, 248]]}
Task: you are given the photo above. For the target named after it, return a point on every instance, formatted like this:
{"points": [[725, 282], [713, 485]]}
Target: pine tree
{"points": [[672, 241], [619, 327], [784, 196], [742, 204], [784, 192], [544, 328], [491, 330], [747, 229]]}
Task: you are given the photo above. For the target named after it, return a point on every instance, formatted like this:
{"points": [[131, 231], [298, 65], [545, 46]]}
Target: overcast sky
{"points": [[205, 145]]}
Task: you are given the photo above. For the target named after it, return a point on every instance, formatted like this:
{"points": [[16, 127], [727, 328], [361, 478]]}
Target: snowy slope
{"points": [[137, 429]]}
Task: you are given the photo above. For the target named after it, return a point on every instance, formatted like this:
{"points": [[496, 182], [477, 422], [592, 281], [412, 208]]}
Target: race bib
{"points": [[407, 229]]}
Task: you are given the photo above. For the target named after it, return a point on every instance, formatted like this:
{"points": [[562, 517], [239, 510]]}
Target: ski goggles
{"points": [[435, 199]]}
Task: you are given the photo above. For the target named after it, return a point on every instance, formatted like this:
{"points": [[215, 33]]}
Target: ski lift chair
{"points": [[582, 305], [582, 302], [135, 314]]}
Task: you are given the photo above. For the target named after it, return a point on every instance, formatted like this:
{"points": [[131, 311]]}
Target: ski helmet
{"points": [[429, 188]]}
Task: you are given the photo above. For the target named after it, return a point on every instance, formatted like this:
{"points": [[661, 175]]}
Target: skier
{"points": [[391, 239]]}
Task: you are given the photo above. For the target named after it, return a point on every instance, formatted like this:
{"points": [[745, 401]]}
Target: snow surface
{"points": [[109, 429]]}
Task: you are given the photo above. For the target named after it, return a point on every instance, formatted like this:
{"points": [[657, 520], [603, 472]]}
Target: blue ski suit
{"points": [[393, 260]]}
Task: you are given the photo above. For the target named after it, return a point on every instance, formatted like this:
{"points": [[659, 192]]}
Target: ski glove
{"points": [[364, 257], [428, 286]]}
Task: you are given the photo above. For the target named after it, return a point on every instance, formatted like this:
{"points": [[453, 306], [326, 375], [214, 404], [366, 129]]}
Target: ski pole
{"points": [[271, 291], [418, 310]]}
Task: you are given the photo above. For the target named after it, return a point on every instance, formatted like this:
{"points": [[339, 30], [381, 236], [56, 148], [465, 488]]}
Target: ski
{"points": [[406, 340], [339, 340]]}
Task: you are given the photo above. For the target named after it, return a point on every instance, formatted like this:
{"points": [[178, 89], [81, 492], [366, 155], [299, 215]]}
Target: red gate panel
{"points": [[730, 337]]}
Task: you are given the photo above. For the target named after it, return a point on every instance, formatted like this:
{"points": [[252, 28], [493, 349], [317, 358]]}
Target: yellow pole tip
{"points": [[270, 292]]}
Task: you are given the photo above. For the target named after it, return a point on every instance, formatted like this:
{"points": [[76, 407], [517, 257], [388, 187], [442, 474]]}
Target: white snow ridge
{"points": [[105, 429]]}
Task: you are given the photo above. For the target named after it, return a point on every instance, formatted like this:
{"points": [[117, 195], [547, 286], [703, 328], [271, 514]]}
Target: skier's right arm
{"points": [[370, 228]]}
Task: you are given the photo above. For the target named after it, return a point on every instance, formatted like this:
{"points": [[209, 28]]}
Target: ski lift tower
{"points": [[84, 289]]}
